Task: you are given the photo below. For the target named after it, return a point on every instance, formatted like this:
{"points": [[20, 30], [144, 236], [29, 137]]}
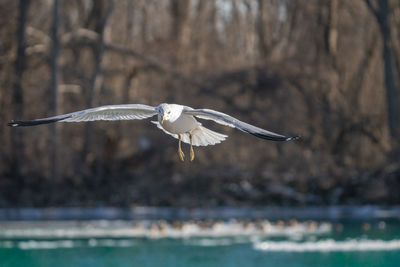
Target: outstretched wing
{"points": [[224, 119], [106, 113]]}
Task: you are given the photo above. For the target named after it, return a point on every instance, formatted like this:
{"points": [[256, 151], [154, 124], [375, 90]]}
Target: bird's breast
{"points": [[183, 124]]}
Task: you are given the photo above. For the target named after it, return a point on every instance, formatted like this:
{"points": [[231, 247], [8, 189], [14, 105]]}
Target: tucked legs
{"points": [[180, 152], [191, 148]]}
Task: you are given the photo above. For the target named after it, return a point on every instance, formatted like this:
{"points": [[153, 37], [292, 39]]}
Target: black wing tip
{"points": [[278, 138], [292, 138], [37, 122], [20, 123], [13, 124]]}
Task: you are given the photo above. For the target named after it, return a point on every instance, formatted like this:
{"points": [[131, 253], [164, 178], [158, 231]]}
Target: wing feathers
{"points": [[108, 113], [224, 119]]}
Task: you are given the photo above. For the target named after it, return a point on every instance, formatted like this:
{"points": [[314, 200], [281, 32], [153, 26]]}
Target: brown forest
{"points": [[327, 70]]}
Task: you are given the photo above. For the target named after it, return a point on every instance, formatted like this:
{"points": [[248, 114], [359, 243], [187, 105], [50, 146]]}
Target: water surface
{"points": [[200, 243]]}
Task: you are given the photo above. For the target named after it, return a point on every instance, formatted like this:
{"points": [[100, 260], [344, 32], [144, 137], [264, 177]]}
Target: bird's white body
{"points": [[182, 124], [173, 121]]}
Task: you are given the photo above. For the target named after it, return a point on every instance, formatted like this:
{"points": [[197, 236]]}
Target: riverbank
{"points": [[219, 213]]}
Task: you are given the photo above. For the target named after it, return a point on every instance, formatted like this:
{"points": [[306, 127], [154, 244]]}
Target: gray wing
{"points": [[224, 119], [107, 113]]}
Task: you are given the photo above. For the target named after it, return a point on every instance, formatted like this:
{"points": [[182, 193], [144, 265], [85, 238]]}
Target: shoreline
{"points": [[367, 212]]}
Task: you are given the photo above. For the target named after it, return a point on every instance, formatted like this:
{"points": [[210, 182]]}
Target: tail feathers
{"points": [[38, 121], [201, 136], [204, 137]]}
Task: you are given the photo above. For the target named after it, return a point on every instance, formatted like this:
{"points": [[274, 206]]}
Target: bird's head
{"points": [[165, 112]]}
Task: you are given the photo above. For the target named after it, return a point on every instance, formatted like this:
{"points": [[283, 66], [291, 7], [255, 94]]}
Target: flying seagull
{"points": [[176, 120]]}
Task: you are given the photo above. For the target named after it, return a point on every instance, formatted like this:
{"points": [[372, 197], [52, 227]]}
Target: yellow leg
{"points": [[180, 152], [191, 148]]}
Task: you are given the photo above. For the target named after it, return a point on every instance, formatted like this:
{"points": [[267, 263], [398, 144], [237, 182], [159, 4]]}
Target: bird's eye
{"points": [[169, 112]]}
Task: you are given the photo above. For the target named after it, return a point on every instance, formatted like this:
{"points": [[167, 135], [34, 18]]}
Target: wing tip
{"points": [[13, 123], [292, 138]]}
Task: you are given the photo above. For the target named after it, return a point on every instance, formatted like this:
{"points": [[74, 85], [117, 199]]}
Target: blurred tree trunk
{"points": [[382, 13], [127, 61], [144, 29], [266, 30], [262, 29], [395, 32], [180, 11], [331, 34], [201, 32], [180, 29], [54, 88], [17, 138], [97, 21]]}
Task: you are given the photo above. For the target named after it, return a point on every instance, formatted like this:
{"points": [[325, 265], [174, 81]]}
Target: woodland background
{"points": [[327, 70]]}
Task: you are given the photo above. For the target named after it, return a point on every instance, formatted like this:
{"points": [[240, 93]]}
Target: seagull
{"points": [[176, 120]]}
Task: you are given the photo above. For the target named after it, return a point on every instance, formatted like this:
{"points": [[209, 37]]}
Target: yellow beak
{"points": [[163, 118]]}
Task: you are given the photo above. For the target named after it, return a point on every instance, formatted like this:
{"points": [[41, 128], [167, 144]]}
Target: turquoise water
{"points": [[116, 244]]}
